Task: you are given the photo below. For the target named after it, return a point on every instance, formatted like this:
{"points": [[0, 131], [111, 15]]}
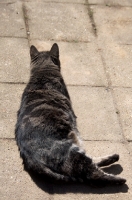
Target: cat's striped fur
{"points": [[46, 129]]}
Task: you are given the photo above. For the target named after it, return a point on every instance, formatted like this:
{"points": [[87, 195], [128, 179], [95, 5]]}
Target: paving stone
{"points": [[15, 60], [10, 96], [124, 103], [113, 24], [58, 21], [12, 21], [80, 62], [114, 34], [123, 166], [118, 59], [112, 2], [97, 119], [15, 182]]}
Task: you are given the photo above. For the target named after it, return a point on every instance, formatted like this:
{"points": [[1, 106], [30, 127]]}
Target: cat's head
{"points": [[45, 58]]}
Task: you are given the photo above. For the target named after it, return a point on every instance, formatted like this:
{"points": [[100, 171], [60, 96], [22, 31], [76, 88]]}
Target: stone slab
{"points": [[112, 2], [96, 115], [12, 20], [15, 182], [10, 96], [124, 103], [113, 24], [115, 39], [118, 60], [14, 60], [81, 63], [58, 21], [122, 168]]}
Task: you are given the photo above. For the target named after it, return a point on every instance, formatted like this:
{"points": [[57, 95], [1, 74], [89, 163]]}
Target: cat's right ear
{"points": [[33, 51], [54, 51]]}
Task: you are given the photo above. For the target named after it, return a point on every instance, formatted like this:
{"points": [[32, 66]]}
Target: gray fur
{"points": [[46, 130]]}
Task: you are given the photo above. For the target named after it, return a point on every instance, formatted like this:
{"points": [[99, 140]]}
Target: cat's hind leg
{"points": [[107, 160], [83, 167], [103, 179], [99, 178]]}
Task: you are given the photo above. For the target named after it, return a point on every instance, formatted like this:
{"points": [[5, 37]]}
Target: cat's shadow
{"points": [[53, 187]]}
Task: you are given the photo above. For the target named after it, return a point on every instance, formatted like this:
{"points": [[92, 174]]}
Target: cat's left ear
{"points": [[33, 51], [54, 50]]}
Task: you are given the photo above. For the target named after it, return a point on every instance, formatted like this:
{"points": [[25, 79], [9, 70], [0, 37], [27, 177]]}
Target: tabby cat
{"points": [[46, 130]]}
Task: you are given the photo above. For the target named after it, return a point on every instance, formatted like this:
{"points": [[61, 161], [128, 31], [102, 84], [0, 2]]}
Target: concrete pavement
{"points": [[95, 40]]}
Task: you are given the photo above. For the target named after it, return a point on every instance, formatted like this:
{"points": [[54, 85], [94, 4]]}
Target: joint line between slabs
{"points": [[112, 94], [7, 139], [25, 16]]}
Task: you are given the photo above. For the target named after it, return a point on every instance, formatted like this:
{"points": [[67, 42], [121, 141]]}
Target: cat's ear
{"points": [[54, 50], [33, 51]]}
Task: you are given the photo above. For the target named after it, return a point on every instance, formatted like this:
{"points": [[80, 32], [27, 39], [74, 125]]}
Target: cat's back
{"points": [[45, 112]]}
